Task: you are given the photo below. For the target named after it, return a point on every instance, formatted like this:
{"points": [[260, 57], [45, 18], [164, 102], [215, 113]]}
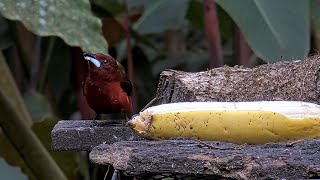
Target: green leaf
{"points": [[70, 20], [189, 61], [161, 15], [12, 157], [8, 87], [9, 172], [37, 104], [195, 16], [315, 14], [135, 3], [67, 161], [315, 7], [112, 6], [276, 30]]}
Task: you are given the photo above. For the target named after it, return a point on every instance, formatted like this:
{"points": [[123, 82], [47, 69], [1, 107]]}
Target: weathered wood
{"points": [[80, 135], [223, 160], [294, 80]]}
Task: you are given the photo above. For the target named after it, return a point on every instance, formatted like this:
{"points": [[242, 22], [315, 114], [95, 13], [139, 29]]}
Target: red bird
{"points": [[106, 88]]}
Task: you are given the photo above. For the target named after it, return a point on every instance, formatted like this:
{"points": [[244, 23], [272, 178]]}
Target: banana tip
{"points": [[140, 123]]}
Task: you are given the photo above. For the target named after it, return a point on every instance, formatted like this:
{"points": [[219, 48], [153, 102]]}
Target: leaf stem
{"points": [[213, 34], [22, 53], [44, 71], [35, 63], [26, 142], [126, 26], [241, 48]]}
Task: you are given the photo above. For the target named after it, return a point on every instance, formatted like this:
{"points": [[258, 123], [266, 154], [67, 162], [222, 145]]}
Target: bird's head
{"points": [[102, 66], [100, 61]]}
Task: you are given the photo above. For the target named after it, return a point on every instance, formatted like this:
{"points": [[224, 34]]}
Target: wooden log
{"points": [[80, 135], [294, 80], [214, 159]]}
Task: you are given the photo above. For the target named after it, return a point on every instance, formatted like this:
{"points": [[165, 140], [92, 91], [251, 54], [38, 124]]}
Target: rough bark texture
{"points": [[294, 80], [213, 159], [81, 135]]}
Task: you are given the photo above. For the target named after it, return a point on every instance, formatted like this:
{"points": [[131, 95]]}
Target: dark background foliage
{"points": [[42, 41]]}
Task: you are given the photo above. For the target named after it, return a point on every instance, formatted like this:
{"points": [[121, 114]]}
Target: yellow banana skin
{"points": [[257, 125]]}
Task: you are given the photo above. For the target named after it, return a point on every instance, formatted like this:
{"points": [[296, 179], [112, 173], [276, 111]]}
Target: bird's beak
{"points": [[92, 59]]}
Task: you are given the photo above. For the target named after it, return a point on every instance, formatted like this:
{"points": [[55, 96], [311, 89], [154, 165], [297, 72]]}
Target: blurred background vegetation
{"points": [[42, 68]]}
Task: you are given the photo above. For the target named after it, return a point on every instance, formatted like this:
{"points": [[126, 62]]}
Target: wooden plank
{"points": [[119, 146], [216, 159], [294, 80], [80, 135]]}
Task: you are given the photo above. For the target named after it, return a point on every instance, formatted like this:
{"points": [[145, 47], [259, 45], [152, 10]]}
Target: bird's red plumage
{"points": [[104, 88]]}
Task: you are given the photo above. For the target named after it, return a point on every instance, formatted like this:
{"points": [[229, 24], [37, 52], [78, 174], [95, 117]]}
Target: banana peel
{"points": [[254, 122]]}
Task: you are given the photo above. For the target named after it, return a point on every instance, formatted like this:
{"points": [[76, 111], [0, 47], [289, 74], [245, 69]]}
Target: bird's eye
{"points": [[105, 61]]}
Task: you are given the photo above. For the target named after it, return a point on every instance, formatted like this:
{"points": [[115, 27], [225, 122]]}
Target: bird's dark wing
{"points": [[126, 86]]}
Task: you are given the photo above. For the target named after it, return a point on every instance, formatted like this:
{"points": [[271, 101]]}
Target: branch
{"points": [[294, 80], [241, 48], [126, 26], [80, 135], [35, 63], [48, 54], [9, 88], [212, 159], [213, 34], [25, 141]]}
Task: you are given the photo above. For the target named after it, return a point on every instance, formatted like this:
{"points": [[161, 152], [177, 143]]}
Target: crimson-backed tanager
{"points": [[106, 87]]}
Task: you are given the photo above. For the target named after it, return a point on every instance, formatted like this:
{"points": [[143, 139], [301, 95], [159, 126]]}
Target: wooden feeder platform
{"points": [[182, 158]]}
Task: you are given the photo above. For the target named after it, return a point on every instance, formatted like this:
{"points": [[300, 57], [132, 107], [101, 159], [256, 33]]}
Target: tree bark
{"points": [[295, 80], [81, 135], [213, 160]]}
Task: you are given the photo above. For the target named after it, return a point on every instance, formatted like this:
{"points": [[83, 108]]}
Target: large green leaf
{"points": [[12, 157], [8, 87], [37, 104], [195, 16], [67, 161], [274, 29], [112, 6], [70, 20], [135, 3], [161, 15], [9, 172], [189, 61], [315, 14]]}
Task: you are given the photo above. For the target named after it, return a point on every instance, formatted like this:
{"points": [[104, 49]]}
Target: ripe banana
{"points": [[237, 122]]}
